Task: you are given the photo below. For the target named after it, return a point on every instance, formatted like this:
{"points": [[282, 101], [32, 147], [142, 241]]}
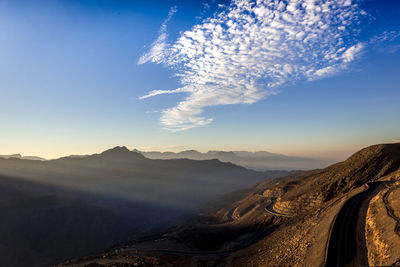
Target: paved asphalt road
{"points": [[343, 241]]}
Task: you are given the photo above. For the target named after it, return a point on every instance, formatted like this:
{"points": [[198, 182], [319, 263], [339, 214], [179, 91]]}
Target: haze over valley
{"points": [[92, 202], [259, 160]]}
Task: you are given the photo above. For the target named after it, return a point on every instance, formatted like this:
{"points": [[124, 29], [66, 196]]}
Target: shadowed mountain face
{"points": [[42, 224], [260, 160], [286, 221], [58, 209], [123, 173]]}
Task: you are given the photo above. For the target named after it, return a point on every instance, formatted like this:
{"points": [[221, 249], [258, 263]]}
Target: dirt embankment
{"points": [[382, 227]]}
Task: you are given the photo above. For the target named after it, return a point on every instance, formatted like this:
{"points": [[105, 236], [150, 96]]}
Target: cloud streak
{"points": [[242, 54], [159, 46]]}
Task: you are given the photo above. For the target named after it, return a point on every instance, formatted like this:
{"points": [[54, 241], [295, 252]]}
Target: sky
{"points": [[308, 78]]}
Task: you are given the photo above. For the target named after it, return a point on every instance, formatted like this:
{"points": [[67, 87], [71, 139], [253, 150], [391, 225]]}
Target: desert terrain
{"points": [[345, 214], [74, 206]]}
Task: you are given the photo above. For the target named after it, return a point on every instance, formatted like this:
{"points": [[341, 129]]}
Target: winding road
{"points": [[342, 248], [270, 209]]}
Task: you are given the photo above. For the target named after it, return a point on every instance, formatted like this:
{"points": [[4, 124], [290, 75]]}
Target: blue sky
{"points": [[73, 72]]}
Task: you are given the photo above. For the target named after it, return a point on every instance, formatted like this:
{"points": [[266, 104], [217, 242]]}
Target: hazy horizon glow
{"points": [[330, 154], [71, 82]]}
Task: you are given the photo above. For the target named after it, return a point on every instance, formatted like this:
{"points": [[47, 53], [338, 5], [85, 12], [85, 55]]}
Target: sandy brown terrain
{"points": [[284, 222], [382, 226]]}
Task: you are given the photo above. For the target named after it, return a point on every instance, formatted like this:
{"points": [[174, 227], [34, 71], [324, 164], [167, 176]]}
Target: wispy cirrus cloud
{"points": [[159, 46], [386, 37], [242, 54]]}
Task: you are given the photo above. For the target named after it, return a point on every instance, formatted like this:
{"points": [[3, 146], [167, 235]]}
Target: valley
{"points": [[70, 207], [302, 219]]}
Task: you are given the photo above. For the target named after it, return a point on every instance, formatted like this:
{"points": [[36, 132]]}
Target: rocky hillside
{"points": [[369, 164], [280, 222], [57, 209]]}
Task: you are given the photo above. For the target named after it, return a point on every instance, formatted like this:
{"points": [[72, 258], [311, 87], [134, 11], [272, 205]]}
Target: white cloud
{"points": [[250, 48], [352, 52], [325, 71], [158, 47], [386, 36]]}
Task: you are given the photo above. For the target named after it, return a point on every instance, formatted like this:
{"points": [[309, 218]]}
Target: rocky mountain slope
{"points": [[57, 209], [284, 221]]}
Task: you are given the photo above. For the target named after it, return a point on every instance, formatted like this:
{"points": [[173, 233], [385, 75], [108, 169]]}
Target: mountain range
{"points": [[347, 214], [58, 209], [260, 160], [19, 156]]}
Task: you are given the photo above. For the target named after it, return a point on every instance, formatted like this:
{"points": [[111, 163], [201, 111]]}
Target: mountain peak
{"points": [[391, 151], [367, 165], [121, 153], [117, 150]]}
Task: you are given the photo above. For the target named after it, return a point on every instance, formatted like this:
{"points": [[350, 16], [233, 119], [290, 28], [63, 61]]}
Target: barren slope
{"points": [[280, 222], [58, 209]]}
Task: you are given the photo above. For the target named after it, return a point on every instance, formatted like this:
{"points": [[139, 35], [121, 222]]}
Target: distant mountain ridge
{"points": [[259, 160], [62, 208], [19, 156]]}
